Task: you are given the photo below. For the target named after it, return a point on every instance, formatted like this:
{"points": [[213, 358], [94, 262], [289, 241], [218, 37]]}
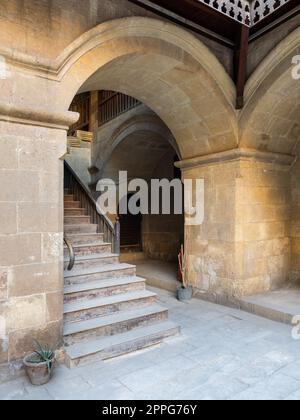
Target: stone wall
{"points": [[262, 46], [262, 222], [31, 226], [211, 246], [139, 142], [243, 246], [29, 27], [162, 236], [295, 222]]}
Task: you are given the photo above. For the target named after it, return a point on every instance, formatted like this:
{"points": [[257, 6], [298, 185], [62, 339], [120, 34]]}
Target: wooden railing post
{"points": [[117, 237]]}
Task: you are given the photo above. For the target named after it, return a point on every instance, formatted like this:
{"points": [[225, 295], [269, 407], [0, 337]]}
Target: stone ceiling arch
{"points": [[147, 122], [139, 153], [165, 67], [270, 120]]}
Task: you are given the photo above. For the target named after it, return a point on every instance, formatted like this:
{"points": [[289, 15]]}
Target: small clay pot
{"points": [[38, 373], [184, 293]]}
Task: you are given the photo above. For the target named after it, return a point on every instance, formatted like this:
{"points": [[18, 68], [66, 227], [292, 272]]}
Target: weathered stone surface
{"points": [[52, 247], [19, 186], [20, 249], [25, 312], [3, 349], [26, 280], [54, 302], [3, 284], [21, 342], [39, 218], [8, 153], [8, 224]]}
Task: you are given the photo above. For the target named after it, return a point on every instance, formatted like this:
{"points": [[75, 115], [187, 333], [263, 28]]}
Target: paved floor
{"points": [[221, 354]]}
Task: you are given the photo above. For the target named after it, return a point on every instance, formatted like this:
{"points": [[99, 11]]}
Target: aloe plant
{"points": [[43, 355]]}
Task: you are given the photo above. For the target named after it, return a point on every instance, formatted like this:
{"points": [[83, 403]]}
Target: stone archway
{"points": [[162, 65], [145, 149], [178, 78], [143, 121], [166, 68], [270, 119]]}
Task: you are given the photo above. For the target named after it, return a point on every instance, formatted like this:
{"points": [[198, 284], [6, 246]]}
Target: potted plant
{"points": [[39, 365], [184, 292]]}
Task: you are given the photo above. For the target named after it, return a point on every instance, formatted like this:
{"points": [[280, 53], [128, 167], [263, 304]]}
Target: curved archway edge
{"points": [[147, 56]]}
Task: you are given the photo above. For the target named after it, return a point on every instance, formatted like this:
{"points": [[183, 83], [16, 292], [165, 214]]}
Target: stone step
{"points": [[86, 309], [113, 323], [105, 287], [87, 275], [117, 345], [72, 204], [89, 249], [85, 228], [68, 197], [74, 212], [85, 238], [95, 260], [77, 220]]}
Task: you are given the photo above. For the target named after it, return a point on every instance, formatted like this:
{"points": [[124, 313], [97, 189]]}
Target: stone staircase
{"points": [[107, 309]]}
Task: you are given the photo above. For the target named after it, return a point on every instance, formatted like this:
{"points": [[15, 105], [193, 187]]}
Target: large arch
{"points": [[143, 120], [270, 119], [166, 68]]}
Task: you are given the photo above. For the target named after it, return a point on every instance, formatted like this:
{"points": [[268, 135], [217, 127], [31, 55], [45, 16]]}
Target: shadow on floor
{"points": [[158, 273]]}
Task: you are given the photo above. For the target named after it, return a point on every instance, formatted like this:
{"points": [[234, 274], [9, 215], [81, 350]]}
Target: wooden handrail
{"points": [[82, 194]]}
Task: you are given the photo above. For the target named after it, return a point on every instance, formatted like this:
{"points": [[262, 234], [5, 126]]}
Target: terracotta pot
{"points": [[184, 293], [38, 373]]}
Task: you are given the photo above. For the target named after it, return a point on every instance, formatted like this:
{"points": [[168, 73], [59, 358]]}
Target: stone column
{"points": [[243, 245], [295, 222], [31, 233], [262, 225], [211, 246]]}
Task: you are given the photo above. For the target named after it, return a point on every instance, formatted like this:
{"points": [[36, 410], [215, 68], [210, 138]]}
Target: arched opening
{"points": [[189, 100], [130, 138], [164, 67], [173, 74]]}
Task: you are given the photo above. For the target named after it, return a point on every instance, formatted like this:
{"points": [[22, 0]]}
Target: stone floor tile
{"points": [[276, 387], [222, 353]]}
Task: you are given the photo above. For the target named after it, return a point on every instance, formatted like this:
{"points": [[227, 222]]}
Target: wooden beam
{"points": [[196, 17], [240, 64]]}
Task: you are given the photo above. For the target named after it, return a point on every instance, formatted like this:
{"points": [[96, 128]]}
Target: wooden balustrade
{"points": [[112, 104], [82, 194]]}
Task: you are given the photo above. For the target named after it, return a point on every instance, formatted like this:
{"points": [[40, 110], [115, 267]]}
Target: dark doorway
{"points": [[131, 230]]}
